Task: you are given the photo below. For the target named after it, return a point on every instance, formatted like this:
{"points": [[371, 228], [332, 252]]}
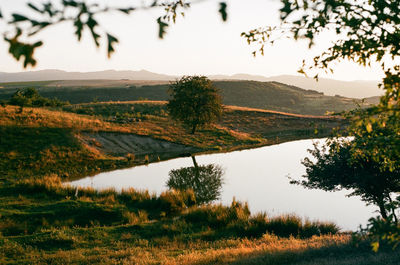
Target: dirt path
{"points": [[122, 144]]}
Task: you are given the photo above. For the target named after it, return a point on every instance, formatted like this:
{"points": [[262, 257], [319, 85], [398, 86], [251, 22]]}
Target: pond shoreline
{"points": [[160, 155], [258, 176]]}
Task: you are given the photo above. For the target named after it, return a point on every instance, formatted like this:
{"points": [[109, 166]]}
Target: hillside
{"points": [[263, 95], [330, 87], [281, 97], [103, 134], [353, 89]]}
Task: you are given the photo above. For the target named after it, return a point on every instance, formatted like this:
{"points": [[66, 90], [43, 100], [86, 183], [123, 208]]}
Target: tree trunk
{"points": [[195, 162], [393, 211], [194, 128], [196, 171], [382, 209]]}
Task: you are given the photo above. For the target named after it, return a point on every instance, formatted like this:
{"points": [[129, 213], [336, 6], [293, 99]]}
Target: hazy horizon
{"points": [[331, 87], [179, 75], [199, 44]]}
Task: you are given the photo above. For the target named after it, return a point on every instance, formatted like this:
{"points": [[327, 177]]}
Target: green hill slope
{"points": [[281, 97], [263, 95]]}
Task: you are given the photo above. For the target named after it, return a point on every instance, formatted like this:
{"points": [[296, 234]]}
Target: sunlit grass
{"points": [[47, 222], [163, 128], [43, 221]]}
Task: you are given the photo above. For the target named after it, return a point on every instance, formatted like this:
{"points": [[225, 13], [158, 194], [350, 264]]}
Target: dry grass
{"points": [[128, 249], [229, 107], [52, 224], [41, 117], [271, 248], [160, 128], [157, 102]]}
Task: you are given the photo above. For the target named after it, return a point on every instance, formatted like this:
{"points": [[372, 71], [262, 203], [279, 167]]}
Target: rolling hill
{"points": [[330, 87], [352, 89], [263, 95]]}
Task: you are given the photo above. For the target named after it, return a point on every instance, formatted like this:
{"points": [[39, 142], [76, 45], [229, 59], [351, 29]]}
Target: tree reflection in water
{"points": [[205, 181]]}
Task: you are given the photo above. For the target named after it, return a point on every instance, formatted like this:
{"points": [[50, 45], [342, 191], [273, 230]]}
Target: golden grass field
{"points": [[43, 221]]}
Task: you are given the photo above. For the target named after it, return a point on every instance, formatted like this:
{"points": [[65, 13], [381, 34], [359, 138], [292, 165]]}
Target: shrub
{"points": [[173, 201], [219, 216], [30, 97], [285, 225]]}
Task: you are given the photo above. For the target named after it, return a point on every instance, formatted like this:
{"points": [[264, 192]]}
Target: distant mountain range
{"points": [[331, 87], [45, 75]]}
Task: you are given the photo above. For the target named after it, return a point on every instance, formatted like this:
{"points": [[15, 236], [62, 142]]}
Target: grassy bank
{"points": [[45, 222]]}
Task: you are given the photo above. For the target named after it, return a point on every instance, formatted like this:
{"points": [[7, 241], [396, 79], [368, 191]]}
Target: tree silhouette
{"points": [[337, 169]]}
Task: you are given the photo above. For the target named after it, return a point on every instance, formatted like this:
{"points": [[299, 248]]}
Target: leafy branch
{"points": [[83, 16]]}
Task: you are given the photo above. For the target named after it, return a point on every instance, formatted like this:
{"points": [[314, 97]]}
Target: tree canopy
{"points": [[194, 101], [334, 167]]}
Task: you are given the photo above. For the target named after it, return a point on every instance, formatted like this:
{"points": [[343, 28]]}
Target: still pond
{"points": [[258, 176]]}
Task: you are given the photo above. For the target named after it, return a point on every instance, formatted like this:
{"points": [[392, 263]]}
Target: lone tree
{"points": [[194, 101]]}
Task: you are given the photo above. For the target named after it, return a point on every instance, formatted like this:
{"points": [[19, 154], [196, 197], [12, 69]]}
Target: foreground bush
{"points": [[236, 220]]}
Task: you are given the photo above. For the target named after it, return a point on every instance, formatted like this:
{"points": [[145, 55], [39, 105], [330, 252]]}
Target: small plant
{"points": [[130, 157], [381, 232], [136, 218]]}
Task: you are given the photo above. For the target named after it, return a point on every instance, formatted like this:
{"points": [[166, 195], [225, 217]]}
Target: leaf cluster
{"points": [[367, 29]]}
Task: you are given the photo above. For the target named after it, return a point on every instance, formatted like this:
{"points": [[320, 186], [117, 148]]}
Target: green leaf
{"points": [[92, 23], [375, 246], [161, 27], [126, 10], [70, 3], [19, 18], [20, 49], [32, 6], [222, 11], [78, 28], [111, 40]]}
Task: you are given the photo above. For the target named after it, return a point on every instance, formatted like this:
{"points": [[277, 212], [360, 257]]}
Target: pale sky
{"points": [[200, 43]]}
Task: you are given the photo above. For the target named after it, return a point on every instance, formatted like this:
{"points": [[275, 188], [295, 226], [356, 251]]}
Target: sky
{"points": [[200, 43]]}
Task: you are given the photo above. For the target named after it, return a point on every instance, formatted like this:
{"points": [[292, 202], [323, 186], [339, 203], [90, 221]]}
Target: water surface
{"points": [[258, 176]]}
